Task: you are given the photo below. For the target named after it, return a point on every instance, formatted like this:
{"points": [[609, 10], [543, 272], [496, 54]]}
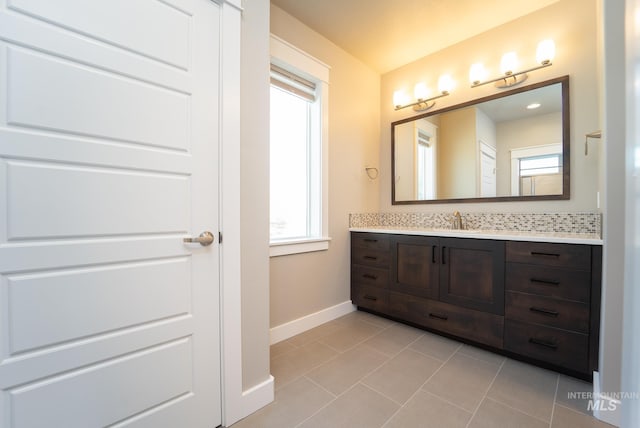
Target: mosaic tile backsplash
{"points": [[590, 223]]}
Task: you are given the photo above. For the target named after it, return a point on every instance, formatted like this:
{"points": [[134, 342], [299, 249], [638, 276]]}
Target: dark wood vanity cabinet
{"points": [[472, 274], [415, 265], [370, 261], [539, 301], [464, 272], [552, 305]]}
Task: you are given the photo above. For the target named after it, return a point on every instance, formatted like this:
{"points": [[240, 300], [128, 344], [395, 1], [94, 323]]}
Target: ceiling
{"points": [[387, 34]]}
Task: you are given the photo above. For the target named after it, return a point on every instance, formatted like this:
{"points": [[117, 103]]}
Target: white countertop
{"points": [[506, 235]]}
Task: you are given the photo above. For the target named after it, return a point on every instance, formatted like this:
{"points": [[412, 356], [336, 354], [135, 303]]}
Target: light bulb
{"points": [[445, 84], [400, 98], [546, 51], [420, 91], [477, 73], [509, 63]]}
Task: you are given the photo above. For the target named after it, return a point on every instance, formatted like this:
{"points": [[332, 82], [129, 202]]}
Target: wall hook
{"points": [[594, 134], [372, 172]]}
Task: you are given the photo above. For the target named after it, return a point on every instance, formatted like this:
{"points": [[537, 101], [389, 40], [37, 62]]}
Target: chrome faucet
{"points": [[456, 221]]}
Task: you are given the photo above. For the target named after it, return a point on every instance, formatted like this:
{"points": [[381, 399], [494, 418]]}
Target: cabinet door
{"points": [[472, 273], [415, 265]]}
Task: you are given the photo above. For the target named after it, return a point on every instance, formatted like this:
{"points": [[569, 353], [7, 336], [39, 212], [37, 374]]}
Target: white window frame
{"points": [[285, 55]]}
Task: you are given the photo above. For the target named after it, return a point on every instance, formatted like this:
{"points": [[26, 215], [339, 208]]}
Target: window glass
{"points": [[289, 152]]}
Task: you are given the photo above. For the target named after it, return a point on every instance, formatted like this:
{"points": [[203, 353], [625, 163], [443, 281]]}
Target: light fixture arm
{"points": [[421, 104], [513, 76]]}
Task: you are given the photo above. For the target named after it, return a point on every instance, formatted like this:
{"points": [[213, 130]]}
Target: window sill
{"points": [[298, 246]]}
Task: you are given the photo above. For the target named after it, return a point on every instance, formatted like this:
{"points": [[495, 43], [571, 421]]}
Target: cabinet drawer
{"points": [[541, 253], [549, 281], [369, 275], [373, 241], [370, 257], [548, 311], [370, 297], [473, 325], [559, 347]]}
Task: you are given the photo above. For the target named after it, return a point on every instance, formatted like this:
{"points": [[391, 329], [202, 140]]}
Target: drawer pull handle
{"points": [[543, 343], [370, 240], [443, 252], [371, 257], [369, 276], [545, 281], [434, 248], [438, 316], [368, 297], [536, 253], [543, 311]]}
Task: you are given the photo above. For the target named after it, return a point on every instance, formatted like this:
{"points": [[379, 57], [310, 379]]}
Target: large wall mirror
{"points": [[512, 146]]}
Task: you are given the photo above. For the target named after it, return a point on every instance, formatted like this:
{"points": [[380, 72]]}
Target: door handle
{"points": [[205, 239]]}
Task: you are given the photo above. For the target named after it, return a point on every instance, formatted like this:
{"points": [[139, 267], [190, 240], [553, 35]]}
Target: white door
{"points": [[108, 159], [487, 170]]}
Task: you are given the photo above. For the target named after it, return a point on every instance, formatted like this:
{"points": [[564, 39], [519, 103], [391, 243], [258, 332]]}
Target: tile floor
{"points": [[365, 371]]}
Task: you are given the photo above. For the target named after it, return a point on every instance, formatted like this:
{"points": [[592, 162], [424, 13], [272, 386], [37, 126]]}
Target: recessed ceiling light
{"points": [[533, 105]]}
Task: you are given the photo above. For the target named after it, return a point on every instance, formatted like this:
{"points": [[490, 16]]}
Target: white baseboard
{"points": [[609, 410], [290, 329], [257, 397]]}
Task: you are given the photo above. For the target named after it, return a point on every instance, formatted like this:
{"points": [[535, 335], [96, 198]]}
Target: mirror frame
{"points": [[566, 143]]}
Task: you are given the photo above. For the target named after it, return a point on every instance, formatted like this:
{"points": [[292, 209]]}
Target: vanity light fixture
{"points": [[544, 55], [421, 94]]}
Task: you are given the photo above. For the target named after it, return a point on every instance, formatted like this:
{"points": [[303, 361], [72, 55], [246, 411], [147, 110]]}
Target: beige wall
{"points": [[572, 25], [541, 130], [405, 147], [302, 284], [254, 198], [457, 154]]}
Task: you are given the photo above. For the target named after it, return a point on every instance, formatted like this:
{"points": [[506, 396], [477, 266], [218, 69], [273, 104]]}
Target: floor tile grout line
{"points": [[553, 406], [329, 403], [565, 406], [358, 381], [357, 343], [484, 396], [319, 386], [516, 410], [380, 392], [457, 406], [480, 359], [496, 400], [392, 356], [423, 383]]}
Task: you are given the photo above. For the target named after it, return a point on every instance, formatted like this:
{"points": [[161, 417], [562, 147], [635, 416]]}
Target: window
{"points": [[536, 170], [539, 165], [425, 188], [298, 148]]}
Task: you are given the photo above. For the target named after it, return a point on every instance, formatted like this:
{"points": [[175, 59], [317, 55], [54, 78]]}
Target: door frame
{"points": [[229, 215]]}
